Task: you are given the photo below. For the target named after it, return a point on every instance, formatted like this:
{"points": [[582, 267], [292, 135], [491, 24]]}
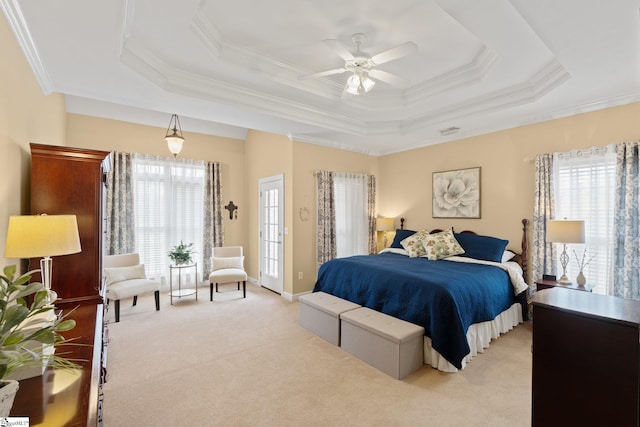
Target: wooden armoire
{"points": [[66, 180]]}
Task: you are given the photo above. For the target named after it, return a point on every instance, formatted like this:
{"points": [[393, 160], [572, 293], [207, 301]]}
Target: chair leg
{"points": [[238, 285], [216, 287], [157, 295], [117, 307], [135, 300], [210, 291], [244, 288]]}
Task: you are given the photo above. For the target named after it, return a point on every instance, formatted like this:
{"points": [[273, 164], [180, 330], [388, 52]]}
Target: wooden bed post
{"points": [[525, 250], [524, 261]]}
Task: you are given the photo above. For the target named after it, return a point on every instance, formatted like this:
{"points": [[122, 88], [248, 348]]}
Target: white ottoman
{"points": [[320, 313], [392, 345]]}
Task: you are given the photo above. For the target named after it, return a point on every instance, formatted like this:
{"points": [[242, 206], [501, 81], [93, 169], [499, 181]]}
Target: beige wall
{"points": [[308, 158], [114, 135], [507, 180], [267, 155], [26, 116], [404, 179]]}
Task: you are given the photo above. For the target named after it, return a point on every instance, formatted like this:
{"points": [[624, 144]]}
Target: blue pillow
{"points": [[400, 236], [485, 248]]}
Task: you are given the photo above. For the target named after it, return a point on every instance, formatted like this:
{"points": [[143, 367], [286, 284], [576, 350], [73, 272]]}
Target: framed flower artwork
{"points": [[456, 194]]}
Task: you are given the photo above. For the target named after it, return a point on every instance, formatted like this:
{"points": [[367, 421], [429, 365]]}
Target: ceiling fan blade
{"points": [[395, 53], [323, 73], [392, 79], [339, 48]]}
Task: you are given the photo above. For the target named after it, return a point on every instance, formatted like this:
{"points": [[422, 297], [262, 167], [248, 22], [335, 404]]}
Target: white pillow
{"points": [[219, 263], [507, 256], [119, 274], [441, 245]]}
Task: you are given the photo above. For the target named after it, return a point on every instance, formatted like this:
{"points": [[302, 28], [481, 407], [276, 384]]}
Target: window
{"points": [[585, 189], [351, 201], [168, 209]]}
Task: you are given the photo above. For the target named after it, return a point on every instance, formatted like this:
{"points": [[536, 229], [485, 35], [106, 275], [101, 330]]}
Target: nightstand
{"points": [[547, 284]]}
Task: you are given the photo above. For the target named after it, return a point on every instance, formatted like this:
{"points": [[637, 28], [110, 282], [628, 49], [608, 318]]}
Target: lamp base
{"points": [[564, 280]]}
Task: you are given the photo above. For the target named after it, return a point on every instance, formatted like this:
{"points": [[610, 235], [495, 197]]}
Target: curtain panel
{"points": [[213, 224], [626, 245], [371, 213], [326, 218], [543, 254], [119, 209]]}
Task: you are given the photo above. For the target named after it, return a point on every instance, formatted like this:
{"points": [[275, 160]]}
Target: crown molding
{"points": [[13, 13]]}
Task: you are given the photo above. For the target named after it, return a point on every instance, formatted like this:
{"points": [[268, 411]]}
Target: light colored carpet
{"points": [[247, 362]]}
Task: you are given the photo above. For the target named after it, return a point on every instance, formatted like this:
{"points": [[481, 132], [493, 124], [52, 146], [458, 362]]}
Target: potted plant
{"points": [[181, 254], [26, 318]]}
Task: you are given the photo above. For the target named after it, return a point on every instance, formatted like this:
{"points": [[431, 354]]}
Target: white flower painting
{"points": [[456, 194]]}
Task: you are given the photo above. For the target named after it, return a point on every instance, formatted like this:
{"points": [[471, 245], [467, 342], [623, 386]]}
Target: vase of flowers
{"points": [[181, 254], [29, 330], [581, 279]]}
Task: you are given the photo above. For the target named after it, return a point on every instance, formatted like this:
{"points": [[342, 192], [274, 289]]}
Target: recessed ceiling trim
{"points": [[13, 13], [456, 78]]}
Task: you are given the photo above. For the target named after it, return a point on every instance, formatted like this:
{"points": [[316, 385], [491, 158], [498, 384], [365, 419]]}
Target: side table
{"points": [[180, 292], [547, 284]]}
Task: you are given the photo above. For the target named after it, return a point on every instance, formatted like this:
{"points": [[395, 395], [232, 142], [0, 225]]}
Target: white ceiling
{"points": [[225, 67]]}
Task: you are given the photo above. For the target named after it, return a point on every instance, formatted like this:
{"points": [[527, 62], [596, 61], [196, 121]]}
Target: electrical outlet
{"points": [[299, 275]]}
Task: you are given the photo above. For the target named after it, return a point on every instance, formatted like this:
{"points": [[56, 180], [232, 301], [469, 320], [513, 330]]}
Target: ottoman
{"points": [[320, 313], [389, 344]]}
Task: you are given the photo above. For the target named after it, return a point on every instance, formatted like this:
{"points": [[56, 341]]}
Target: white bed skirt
{"points": [[479, 336]]}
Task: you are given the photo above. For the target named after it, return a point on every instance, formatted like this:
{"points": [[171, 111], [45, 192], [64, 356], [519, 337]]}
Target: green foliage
{"points": [[181, 254], [21, 323]]}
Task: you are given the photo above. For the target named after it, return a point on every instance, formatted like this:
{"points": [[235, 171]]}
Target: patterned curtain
{"points": [[119, 213], [626, 246], [543, 255], [326, 217], [213, 224], [371, 213]]}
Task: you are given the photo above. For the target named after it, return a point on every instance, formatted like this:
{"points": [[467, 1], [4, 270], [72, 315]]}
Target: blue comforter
{"points": [[445, 297]]}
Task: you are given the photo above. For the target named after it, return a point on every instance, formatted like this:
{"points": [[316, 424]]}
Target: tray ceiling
{"points": [[226, 67]]}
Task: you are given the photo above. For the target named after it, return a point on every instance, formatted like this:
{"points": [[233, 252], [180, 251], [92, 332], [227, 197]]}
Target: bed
{"points": [[462, 300]]}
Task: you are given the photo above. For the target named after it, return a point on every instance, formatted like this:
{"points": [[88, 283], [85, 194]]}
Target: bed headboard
{"points": [[521, 257]]}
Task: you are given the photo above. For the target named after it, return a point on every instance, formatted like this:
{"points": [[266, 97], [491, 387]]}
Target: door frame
{"points": [[281, 229]]}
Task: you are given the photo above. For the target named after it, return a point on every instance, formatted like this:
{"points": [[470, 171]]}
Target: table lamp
{"points": [[34, 236], [384, 225], [565, 231]]}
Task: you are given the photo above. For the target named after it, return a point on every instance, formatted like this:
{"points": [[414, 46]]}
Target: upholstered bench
{"points": [[320, 313], [392, 345]]}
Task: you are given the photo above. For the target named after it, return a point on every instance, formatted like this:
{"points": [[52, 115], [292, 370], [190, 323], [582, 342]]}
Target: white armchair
{"points": [[228, 266], [125, 278]]}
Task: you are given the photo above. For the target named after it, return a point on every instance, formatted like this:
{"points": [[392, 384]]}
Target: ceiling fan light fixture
{"points": [[367, 83], [353, 84]]}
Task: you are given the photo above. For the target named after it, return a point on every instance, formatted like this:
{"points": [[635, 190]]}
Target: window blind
{"points": [[585, 190]]}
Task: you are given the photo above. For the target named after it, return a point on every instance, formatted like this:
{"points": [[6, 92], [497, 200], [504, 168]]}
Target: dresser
{"points": [[66, 180], [586, 359], [69, 398]]}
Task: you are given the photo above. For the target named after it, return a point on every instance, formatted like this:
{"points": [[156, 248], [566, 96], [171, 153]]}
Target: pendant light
{"points": [[174, 136]]}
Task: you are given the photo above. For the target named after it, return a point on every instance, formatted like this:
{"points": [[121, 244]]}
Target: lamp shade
{"points": [[384, 224], [31, 236], [565, 231]]}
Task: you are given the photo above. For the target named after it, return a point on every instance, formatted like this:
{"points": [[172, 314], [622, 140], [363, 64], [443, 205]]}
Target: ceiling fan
{"points": [[362, 66]]}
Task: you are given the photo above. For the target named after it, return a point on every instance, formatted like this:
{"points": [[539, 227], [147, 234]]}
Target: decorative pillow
{"points": [[400, 236], [218, 263], [507, 256], [120, 274], [441, 245], [485, 248], [413, 244]]}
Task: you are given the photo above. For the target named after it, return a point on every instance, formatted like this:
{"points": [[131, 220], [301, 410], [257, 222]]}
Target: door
{"points": [[271, 233]]}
